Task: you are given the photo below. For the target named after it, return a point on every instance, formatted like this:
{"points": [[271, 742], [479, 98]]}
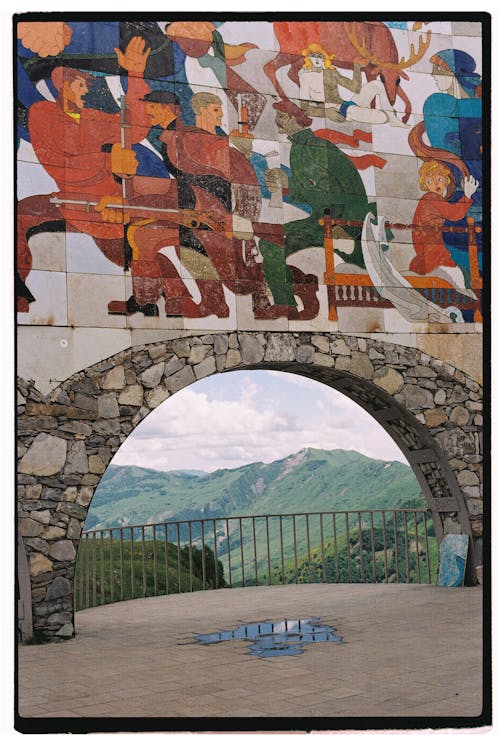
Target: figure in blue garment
{"points": [[453, 116], [453, 127]]}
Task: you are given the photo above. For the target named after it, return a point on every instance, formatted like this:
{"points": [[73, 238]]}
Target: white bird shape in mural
{"points": [[391, 284]]}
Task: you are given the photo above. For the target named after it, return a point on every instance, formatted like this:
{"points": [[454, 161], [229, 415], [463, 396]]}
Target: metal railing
{"points": [[365, 546]]}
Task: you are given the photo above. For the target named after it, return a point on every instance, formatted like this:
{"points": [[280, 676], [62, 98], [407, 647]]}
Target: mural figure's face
{"points": [[75, 92], [442, 77], [317, 60], [283, 122], [437, 184], [161, 114], [212, 114]]}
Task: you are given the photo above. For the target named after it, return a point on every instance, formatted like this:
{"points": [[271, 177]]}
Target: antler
{"points": [[414, 57], [371, 58], [361, 48]]}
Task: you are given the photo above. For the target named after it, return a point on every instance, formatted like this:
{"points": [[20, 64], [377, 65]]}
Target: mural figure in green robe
{"points": [[323, 177]]}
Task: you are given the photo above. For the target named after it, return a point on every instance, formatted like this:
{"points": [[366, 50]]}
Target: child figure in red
{"points": [[433, 210]]}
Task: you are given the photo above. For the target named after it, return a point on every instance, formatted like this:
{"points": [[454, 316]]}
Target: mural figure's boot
{"points": [[305, 287], [178, 300], [264, 309], [147, 286], [213, 300]]}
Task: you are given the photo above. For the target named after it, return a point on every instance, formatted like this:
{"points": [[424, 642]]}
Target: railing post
{"points": [[308, 537], [179, 576], [228, 540], [427, 555], [155, 571], [323, 561], [255, 551], [396, 553], [417, 549], [407, 554], [190, 550], [242, 556]]}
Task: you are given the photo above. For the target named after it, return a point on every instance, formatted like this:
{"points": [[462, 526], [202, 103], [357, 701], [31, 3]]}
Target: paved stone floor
{"points": [[410, 651]]}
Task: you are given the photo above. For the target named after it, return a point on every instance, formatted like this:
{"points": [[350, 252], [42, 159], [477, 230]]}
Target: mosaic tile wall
{"points": [[220, 175]]}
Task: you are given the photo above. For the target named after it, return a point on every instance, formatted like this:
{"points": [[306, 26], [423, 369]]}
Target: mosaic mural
{"points": [[250, 174]]}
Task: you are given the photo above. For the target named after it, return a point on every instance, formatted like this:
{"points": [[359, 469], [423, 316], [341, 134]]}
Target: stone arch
{"points": [[67, 438]]}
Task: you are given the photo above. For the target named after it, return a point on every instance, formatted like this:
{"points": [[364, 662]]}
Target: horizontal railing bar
{"points": [[188, 521]]}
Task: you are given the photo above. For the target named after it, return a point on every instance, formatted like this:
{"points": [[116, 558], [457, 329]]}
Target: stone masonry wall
{"points": [[67, 438]]}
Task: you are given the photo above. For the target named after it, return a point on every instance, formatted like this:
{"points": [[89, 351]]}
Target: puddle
{"points": [[272, 639]]}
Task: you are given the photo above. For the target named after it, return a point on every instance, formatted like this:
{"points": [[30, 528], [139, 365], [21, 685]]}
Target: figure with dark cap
{"points": [[323, 177], [161, 190], [212, 179]]}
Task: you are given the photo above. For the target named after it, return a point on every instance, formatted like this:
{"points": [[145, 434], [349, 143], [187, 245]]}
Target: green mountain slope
{"points": [[310, 480]]}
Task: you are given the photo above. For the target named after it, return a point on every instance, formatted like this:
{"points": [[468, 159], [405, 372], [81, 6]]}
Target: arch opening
{"points": [[93, 412]]}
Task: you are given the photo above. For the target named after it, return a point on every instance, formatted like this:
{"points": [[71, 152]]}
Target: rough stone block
{"points": [[59, 588], [388, 379], [151, 377], [221, 344], [96, 465], [156, 397], [305, 354], [107, 406], [77, 461], [251, 349], [51, 533], [114, 378], [198, 353], [39, 564], [180, 379], [205, 368], [62, 550], [324, 360], [435, 417], [30, 527], [415, 397], [233, 358], [46, 456]]}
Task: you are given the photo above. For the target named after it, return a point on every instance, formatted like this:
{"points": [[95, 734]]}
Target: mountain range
{"points": [[307, 481]]}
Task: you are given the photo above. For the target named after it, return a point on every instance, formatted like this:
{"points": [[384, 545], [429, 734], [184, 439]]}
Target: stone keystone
{"points": [[280, 348], [251, 349], [45, 457]]}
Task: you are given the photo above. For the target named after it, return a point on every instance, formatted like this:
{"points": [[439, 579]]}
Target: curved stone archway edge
{"points": [[67, 438]]}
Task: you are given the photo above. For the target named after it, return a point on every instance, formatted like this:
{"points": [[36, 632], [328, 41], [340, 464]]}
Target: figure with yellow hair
{"points": [[433, 210], [319, 82]]}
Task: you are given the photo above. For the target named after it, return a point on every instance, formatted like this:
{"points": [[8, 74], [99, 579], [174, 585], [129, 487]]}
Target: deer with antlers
{"points": [[368, 44]]}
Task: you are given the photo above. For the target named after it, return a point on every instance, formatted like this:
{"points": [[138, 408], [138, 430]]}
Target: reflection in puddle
{"points": [[270, 639]]}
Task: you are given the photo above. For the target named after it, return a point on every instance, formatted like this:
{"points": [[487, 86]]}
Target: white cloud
{"points": [[194, 430]]}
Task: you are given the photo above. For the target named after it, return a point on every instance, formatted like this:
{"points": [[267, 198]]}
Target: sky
{"points": [[242, 417]]}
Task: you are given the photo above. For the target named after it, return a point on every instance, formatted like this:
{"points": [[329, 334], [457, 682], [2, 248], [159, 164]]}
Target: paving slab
{"points": [[408, 651]]}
